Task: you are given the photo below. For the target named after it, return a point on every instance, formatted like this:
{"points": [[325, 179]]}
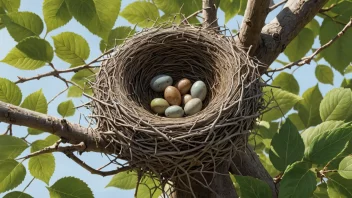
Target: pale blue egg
{"points": [[174, 112], [160, 82], [199, 90]]}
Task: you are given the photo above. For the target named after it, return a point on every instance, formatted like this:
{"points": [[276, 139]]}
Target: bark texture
{"points": [[209, 14]]}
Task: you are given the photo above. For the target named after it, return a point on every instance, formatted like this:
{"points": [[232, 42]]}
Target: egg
{"points": [[160, 82], [174, 112], [183, 85], [186, 98], [193, 106], [172, 95], [199, 90], [159, 105]]}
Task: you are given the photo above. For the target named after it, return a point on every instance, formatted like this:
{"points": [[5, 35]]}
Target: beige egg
{"points": [[172, 95], [159, 105], [183, 85], [193, 106], [186, 98], [174, 111]]}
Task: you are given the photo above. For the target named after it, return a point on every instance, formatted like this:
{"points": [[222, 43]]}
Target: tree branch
{"points": [[94, 171], [72, 133], [276, 35], [308, 59], [252, 24], [209, 14]]}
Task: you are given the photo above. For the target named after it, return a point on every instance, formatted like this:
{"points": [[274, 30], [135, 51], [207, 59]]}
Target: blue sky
{"points": [[51, 86]]}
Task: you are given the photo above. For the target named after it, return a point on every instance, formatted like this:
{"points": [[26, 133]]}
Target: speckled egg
{"points": [[172, 95], [193, 106], [160, 82], [174, 112], [199, 90], [183, 85], [159, 105], [186, 98]]}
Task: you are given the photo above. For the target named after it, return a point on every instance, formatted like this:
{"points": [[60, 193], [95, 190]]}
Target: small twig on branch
{"points": [[277, 5], [25, 188], [57, 95], [55, 148], [185, 21], [308, 59], [8, 130], [327, 9], [94, 171]]}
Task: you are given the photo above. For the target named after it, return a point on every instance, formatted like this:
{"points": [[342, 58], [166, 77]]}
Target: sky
{"points": [[51, 86]]}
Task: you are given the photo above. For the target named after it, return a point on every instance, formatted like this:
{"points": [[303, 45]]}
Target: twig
{"points": [[276, 5], [94, 171], [55, 148], [327, 9], [57, 72], [308, 59], [57, 95], [28, 184], [209, 14], [185, 21], [8, 130]]}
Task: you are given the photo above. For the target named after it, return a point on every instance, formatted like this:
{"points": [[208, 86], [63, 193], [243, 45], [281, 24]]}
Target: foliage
{"points": [[302, 137]]}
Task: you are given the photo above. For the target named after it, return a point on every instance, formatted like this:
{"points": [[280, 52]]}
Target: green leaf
{"points": [[82, 78], [346, 83], [32, 131], [11, 147], [348, 70], [66, 109], [286, 147], [286, 82], [175, 7], [144, 14], [56, 14], [36, 49], [36, 101], [296, 120], [339, 186], [116, 37], [21, 60], [280, 102], [11, 175], [309, 134], [247, 186], [31, 53], [42, 166], [314, 26], [70, 187], [326, 146], [336, 105], [308, 108], [300, 45], [148, 188], [98, 16], [22, 24], [338, 53], [298, 181], [347, 151], [10, 92], [10, 5], [324, 74], [17, 194], [342, 11], [321, 191], [230, 7], [268, 165], [71, 48], [345, 167], [124, 180], [51, 139]]}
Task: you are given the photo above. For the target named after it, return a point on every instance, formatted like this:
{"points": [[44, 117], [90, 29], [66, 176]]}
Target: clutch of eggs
{"points": [[183, 92]]}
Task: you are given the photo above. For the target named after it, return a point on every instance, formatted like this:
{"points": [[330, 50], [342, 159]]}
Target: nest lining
{"points": [[171, 147]]}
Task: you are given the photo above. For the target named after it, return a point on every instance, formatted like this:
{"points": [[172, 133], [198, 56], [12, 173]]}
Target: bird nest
{"points": [[170, 147]]}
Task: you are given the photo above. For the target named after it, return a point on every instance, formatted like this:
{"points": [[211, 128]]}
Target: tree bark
{"points": [[209, 14], [252, 24]]}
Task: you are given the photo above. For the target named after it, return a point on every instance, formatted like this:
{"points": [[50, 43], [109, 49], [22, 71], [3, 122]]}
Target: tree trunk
{"points": [[211, 185]]}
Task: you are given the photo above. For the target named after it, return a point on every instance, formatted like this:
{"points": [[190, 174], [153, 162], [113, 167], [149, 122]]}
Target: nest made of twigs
{"points": [[170, 147]]}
